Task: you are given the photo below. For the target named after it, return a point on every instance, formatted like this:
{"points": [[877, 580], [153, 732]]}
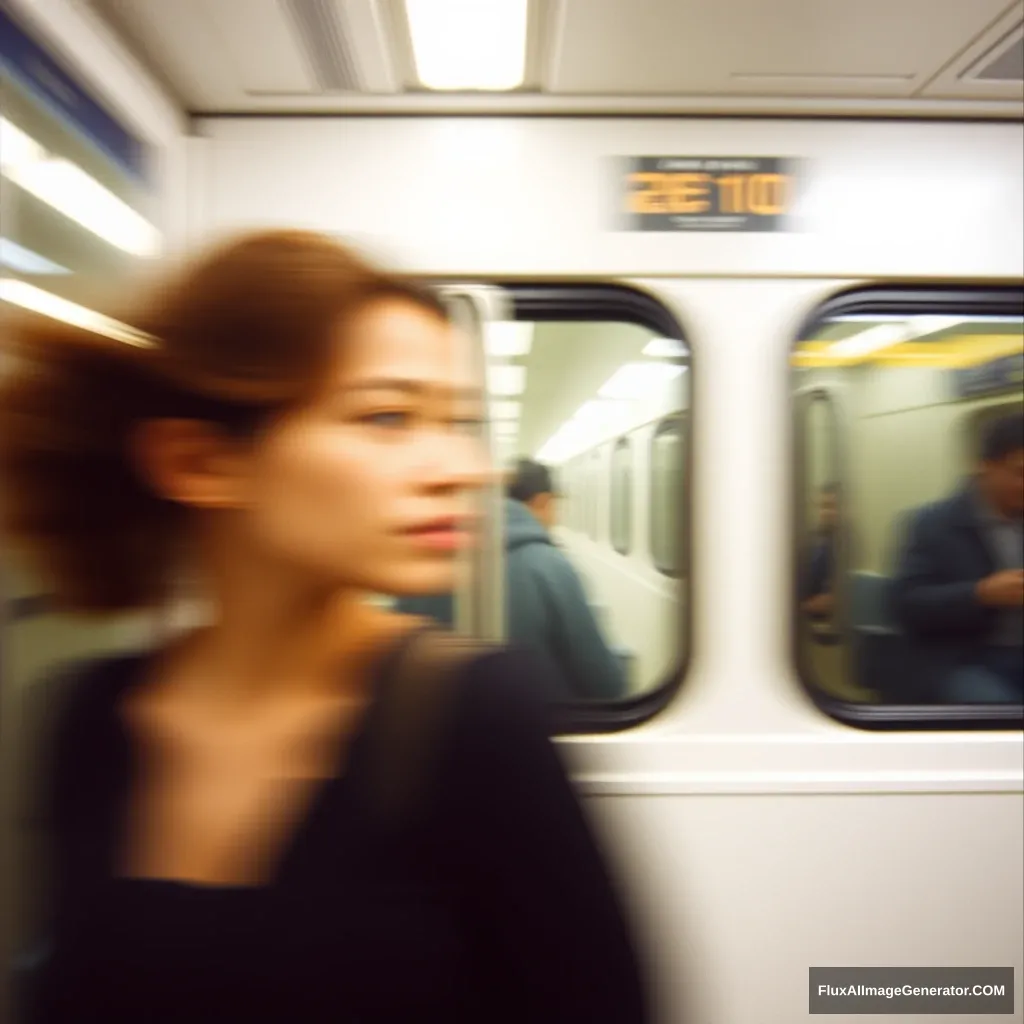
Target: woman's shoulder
{"points": [[500, 707]]}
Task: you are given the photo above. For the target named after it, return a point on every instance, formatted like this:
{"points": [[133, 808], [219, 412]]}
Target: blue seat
{"points": [[868, 601], [883, 660]]}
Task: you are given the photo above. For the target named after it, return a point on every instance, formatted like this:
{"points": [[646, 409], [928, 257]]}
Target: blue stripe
{"points": [[25, 61]]}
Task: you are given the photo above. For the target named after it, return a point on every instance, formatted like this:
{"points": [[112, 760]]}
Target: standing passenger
{"points": [[548, 610], [219, 856]]}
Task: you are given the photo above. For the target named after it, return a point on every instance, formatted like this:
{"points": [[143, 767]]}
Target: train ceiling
{"points": [[941, 58]]}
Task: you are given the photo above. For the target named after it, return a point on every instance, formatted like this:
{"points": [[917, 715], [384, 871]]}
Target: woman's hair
{"points": [[246, 331]]}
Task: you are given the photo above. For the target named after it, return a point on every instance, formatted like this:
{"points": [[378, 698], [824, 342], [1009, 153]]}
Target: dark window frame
{"points": [[955, 299], [554, 301]]}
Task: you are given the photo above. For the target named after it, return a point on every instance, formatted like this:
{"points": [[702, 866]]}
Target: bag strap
{"points": [[411, 717]]}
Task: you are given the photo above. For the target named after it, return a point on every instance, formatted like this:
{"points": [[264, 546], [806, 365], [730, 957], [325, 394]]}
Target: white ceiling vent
{"points": [[324, 44], [1004, 62]]}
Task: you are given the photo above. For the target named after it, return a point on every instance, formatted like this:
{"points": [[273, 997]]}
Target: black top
{"points": [[492, 905]]}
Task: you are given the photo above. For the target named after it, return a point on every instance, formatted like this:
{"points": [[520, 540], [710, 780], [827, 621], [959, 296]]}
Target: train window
{"points": [[666, 495], [908, 578], [621, 519], [604, 367]]}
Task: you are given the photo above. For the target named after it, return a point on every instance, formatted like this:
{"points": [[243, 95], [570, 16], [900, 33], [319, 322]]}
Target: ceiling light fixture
{"points": [[506, 380], [28, 296], [24, 261], [508, 339], [468, 45], [68, 189], [504, 411], [633, 381], [666, 348]]}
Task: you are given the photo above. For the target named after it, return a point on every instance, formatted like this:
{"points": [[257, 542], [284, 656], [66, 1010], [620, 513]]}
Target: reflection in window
{"points": [[666, 496], [621, 497], [909, 582]]}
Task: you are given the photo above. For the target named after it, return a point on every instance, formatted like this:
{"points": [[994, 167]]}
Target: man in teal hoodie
{"points": [[546, 605]]}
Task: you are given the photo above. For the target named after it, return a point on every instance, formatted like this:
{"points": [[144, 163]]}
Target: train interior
{"points": [[796, 389]]}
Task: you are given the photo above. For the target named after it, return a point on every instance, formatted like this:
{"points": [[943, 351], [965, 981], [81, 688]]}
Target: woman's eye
{"points": [[392, 420], [468, 424]]}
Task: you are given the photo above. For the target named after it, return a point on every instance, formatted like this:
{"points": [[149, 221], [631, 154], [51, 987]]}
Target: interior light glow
{"points": [[78, 196], [633, 381], [666, 348], [506, 380], [508, 339], [468, 44], [25, 261], [37, 300], [504, 410]]}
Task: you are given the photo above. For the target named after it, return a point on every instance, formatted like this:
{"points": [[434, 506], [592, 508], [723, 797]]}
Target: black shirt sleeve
{"points": [[548, 914]]}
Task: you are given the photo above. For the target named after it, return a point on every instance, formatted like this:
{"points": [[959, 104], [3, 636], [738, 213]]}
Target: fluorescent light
{"points": [[634, 381], [28, 296], [921, 326], [583, 429], [508, 339], [506, 428], [17, 148], [504, 410], [871, 340], [506, 380], [666, 348], [468, 44], [25, 261], [69, 190]]}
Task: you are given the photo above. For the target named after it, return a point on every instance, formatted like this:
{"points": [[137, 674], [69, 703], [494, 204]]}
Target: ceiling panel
{"points": [[871, 47], [969, 76], [259, 39], [174, 39], [258, 54], [616, 57]]}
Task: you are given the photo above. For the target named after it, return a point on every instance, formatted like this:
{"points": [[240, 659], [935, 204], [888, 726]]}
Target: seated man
{"points": [[958, 591]]}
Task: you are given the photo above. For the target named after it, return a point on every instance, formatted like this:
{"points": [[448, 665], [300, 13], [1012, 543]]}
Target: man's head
{"points": [[1002, 465], [532, 484]]}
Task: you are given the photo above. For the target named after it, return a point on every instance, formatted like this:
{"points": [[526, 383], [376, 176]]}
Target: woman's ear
{"points": [[191, 462]]}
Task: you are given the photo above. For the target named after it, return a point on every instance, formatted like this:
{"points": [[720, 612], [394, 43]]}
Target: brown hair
{"points": [[242, 333]]}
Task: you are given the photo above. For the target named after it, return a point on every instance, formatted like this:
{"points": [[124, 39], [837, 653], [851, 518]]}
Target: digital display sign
{"points": [[727, 193]]}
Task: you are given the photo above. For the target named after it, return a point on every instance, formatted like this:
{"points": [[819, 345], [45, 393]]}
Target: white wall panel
{"points": [[479, 195]]}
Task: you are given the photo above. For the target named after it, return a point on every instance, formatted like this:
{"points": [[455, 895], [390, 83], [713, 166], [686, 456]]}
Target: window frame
{"points": [[622, 445], [953, 299], [553, 301]]}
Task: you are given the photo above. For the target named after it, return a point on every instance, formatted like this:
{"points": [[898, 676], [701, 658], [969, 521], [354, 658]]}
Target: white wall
{"points": [[512, 195]]}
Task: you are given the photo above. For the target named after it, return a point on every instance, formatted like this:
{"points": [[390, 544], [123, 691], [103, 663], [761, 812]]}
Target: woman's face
{"points": [[371, 483]]}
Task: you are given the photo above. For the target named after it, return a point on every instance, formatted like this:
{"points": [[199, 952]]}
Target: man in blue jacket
{"points": [[546, 605], [959, 589]]}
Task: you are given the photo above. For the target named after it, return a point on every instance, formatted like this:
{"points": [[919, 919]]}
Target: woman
{"points": [[295, 429]]}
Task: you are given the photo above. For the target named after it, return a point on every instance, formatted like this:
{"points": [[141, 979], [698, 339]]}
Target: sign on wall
{"points": [[708, 193]]}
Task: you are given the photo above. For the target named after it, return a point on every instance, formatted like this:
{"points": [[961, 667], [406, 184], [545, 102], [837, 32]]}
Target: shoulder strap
{"points": [[410, 720]]}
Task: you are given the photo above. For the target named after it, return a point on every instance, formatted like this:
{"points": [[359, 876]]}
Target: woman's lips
{"points": [[452, 534]]}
